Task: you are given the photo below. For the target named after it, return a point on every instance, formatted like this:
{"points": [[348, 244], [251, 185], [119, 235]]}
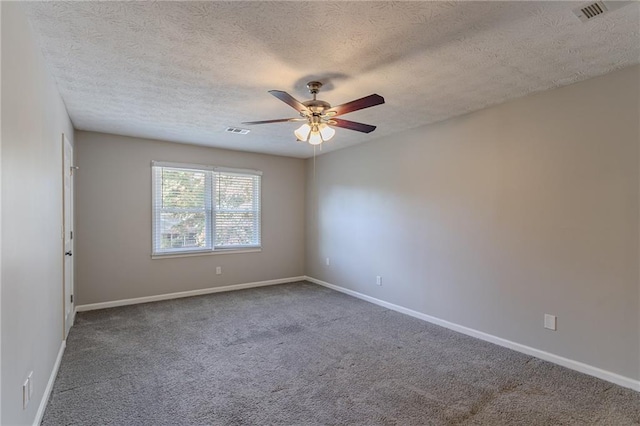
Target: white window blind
{"points": [[237, 210], [203, 208]]}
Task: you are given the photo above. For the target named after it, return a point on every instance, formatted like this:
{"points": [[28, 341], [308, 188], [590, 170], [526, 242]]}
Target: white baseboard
{"points": [[49, 388], [627, 382], [124, 302]]}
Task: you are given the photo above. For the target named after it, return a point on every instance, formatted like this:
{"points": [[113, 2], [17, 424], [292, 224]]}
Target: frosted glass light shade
{"points": [[303, 132], [315, 138], [327, 132]]}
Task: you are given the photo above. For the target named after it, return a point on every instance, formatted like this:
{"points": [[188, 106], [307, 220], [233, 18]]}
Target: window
{"points": [[203, 209]]}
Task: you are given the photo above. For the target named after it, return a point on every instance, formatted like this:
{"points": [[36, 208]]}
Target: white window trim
{"points": [[206, 167], [206, 253], [196, 251]]}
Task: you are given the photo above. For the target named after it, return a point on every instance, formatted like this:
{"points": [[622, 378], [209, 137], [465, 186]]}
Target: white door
{"points": [[67, 172]]}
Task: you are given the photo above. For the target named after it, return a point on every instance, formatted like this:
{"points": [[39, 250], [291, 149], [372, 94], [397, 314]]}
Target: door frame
{"points": [[67, 296]]}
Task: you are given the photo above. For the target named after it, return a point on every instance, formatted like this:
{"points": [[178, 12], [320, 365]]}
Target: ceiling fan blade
{"points": [[279, 120], [362, 103], [352, 125], [289, 100]]}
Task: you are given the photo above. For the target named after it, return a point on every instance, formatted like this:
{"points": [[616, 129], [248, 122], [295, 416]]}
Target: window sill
{"points": [[207, 253]]}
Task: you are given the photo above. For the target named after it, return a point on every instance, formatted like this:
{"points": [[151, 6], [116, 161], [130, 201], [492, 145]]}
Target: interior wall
{"points": [[33, 120], [495, 218], [113, 221]]}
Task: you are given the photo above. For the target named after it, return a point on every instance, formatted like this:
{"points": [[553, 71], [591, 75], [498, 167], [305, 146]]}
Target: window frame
{"points": [[211, 188]]}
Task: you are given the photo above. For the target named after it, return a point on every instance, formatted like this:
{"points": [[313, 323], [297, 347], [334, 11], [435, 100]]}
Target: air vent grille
{"points": [[237, 130], [589, 11]]}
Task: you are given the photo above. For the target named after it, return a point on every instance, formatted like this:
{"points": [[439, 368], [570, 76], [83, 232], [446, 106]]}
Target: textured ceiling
{"points": [[184, 71]]}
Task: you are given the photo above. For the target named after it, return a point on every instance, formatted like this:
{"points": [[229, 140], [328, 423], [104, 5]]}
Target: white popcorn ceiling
{"points": [[184, 71]]}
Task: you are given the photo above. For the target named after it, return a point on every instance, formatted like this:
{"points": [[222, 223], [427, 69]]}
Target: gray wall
{"points": [[113, 220], [33, 120], [495, 218]]}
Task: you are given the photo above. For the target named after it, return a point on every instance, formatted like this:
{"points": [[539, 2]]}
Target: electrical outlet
{"points": [[378, 280], [218, 270], [327, 261], [550, 322]]}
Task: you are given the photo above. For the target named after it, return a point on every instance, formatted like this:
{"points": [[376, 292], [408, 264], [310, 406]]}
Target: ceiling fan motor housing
{"points": [[317, 106]]}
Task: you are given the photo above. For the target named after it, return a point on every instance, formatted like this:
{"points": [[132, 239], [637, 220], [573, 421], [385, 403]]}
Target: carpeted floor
{"points": [[301, 354]]}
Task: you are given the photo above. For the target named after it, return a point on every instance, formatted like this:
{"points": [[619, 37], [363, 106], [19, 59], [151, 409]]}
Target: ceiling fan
{"points": [[318, 116]]}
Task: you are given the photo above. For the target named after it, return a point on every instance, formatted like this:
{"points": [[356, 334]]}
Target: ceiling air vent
{"points": [[591, 10], [237, 130]]}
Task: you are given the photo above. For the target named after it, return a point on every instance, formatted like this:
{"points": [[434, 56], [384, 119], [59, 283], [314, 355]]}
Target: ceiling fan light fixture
{"points": [[314, 134]]}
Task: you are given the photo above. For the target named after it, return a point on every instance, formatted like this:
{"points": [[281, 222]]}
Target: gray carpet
{"points": [[300, 354]]}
